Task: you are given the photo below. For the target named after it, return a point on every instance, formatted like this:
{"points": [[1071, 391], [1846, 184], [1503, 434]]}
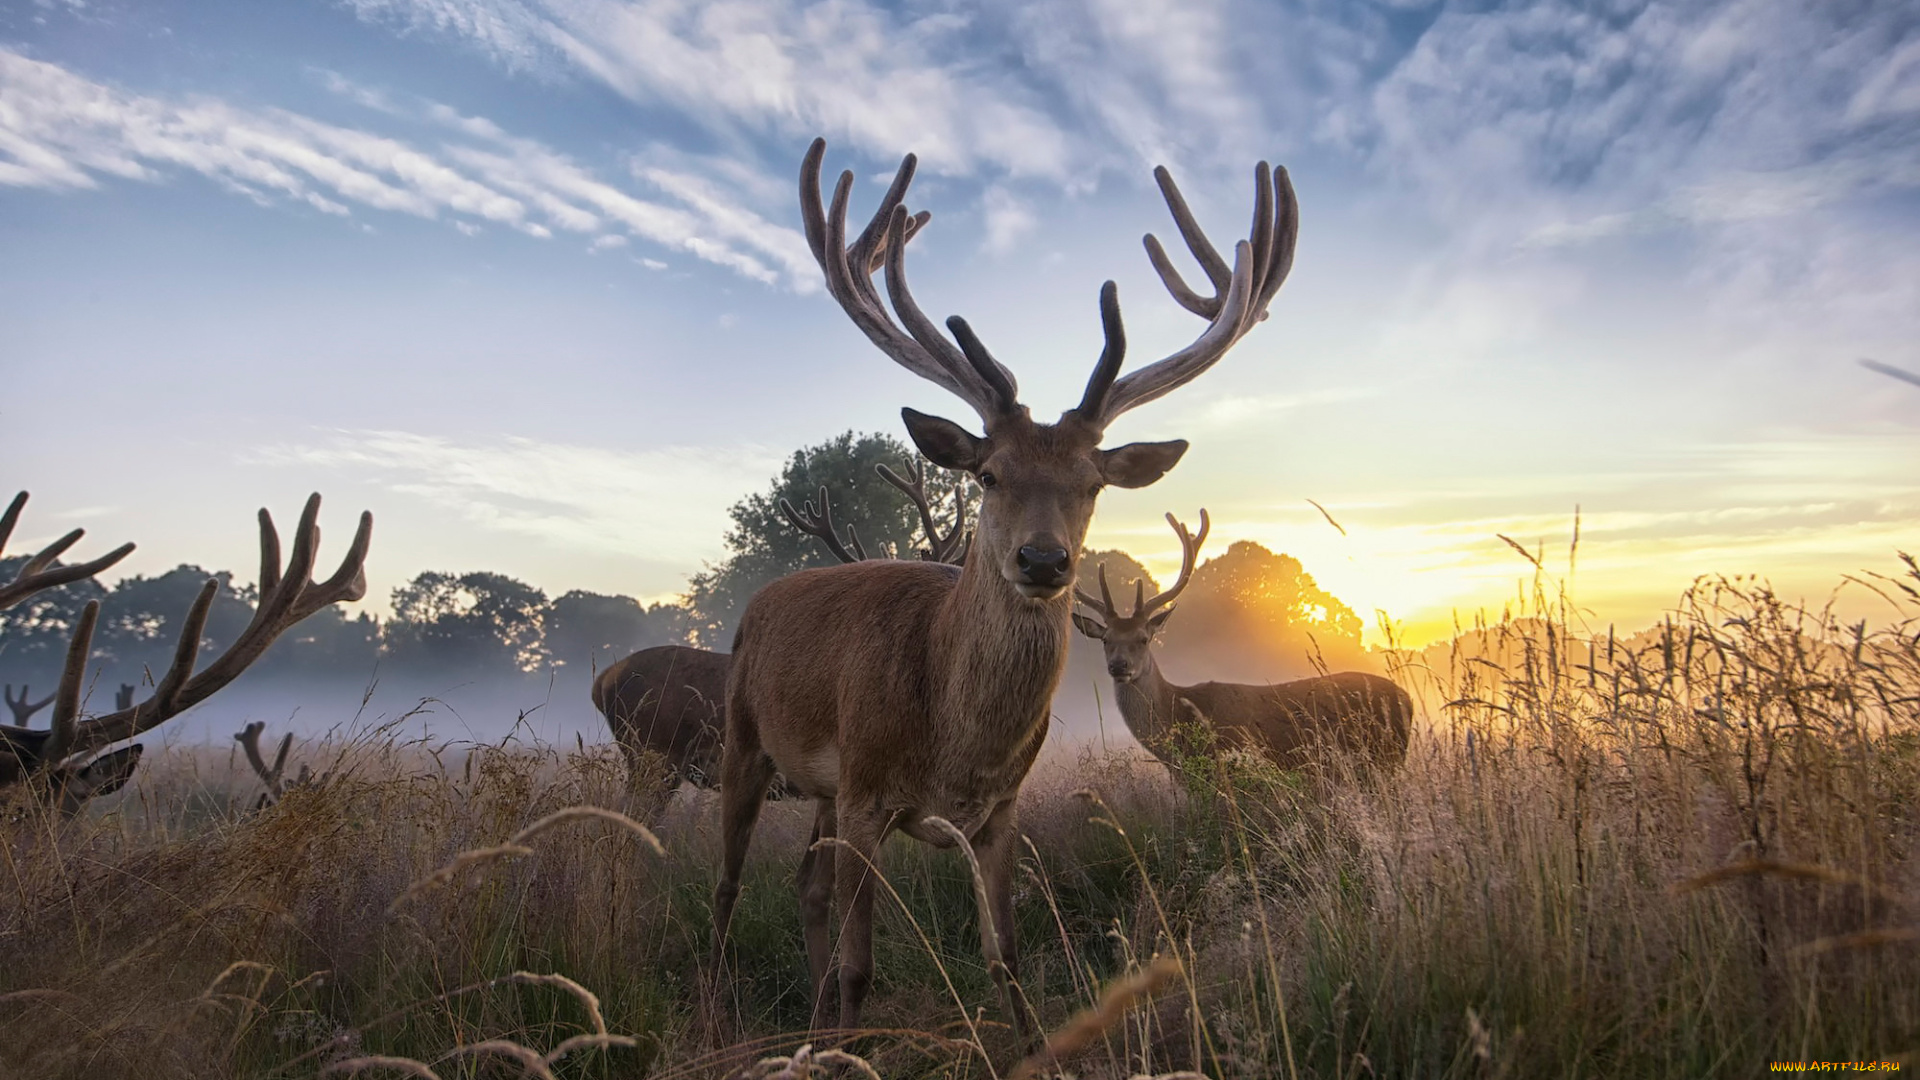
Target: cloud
{"points": [[61, 131], [881, 80], [575, 498], [1008, 220]]}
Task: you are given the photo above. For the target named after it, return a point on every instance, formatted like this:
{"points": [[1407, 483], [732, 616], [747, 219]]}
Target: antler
{"points": [[819, 523], [285, 599], [249, 740], [23, 708], [967, 370], [940, 549], [1142, 605], [1240, 295], [39, 573]]}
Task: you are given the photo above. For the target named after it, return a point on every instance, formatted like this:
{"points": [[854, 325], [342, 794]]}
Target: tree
{"points": [[140, 619], [589, 631], [762, 546], [34, 633], [475, 622], [1252, 614]]}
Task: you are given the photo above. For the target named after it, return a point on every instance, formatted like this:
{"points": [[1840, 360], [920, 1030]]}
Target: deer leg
{"points": [[861, 832], [996, 846], [745, 772], [816, 910]]}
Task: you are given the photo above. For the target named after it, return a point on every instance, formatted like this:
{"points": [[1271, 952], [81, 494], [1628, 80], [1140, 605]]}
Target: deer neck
{"points": [[1146, 704], [1000, 654]]}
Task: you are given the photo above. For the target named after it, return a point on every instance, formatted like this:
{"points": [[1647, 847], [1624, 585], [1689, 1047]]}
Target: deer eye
{"points": [[988, 480], [1094, 491]]}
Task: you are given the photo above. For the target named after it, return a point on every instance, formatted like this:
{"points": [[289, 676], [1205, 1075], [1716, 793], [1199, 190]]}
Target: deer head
{"points": [[1126, 638], [1040, 480]]}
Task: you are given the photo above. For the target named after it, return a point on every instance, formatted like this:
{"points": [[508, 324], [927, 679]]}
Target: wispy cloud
{"points": [[576, 498], [881, 79], [61, 131]]}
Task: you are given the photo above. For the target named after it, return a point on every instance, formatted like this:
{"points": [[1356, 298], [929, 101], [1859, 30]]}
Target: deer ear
{"points": [[1158, 619], [1089, 627], [1136, 465], [945, 443]]}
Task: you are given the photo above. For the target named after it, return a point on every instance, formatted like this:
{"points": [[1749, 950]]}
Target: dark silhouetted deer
{"points": [[897, 693], [59, 761], [1293, 723], [274, 776]]}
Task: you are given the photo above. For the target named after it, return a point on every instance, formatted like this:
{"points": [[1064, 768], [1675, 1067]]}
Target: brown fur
{"points": [[892, 691], [667, 701], [1293, 724]]}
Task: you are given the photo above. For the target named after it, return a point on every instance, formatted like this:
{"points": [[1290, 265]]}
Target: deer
{"points": [[23, 707], [914, 696], [275, 777], [667, 700], [1293, 724], [62, 762]]}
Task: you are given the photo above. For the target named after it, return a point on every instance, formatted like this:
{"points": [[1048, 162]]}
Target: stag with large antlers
{"points": [[900, 693], [57, 758], [1292, 724]]}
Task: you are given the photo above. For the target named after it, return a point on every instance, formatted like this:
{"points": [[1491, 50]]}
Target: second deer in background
{"points": [[1293, 724]]}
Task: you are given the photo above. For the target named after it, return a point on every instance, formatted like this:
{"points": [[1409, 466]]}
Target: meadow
{"points": [[1686, 852]]}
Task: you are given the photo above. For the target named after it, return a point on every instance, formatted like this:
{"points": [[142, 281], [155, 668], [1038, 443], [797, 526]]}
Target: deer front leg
{"points": [[996, 846], [815, 881], [861, 832]]}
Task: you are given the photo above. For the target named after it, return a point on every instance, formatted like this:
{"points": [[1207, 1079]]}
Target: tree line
{"points": [[1243, 604]]}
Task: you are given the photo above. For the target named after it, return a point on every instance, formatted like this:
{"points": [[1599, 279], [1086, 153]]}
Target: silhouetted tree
{"points": [[1253, 614], [140, 617], [474, 622], [588, 631], [34, 633], [762, 546]]}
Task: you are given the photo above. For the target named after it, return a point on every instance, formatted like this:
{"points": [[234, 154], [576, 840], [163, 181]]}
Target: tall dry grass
{"points": [[1682, 853]]}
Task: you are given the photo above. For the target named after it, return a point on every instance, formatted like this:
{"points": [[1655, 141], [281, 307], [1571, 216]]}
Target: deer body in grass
{"points": [[894, 693], [63, 763], [668, 700], [1292, 724]]}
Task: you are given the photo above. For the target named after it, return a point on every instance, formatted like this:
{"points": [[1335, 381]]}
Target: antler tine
{"points": [[959, 537], [819, 524], [1189, 554], [23, 707], [939, 549], [39, 573], [286, 597], [66, 704], [1241, 295], [917, 345]]}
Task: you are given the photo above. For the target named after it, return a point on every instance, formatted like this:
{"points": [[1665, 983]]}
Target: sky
{"points": [[525, 278]]}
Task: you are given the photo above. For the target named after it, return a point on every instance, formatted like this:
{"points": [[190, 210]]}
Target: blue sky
{"points": [[526, 278]]}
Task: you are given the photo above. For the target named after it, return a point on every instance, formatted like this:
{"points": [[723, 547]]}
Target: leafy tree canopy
{"points": [[478, 621], [762, 546]]}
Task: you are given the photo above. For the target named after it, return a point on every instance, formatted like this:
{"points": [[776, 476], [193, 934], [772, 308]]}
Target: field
{"points": [[1685, 853]]}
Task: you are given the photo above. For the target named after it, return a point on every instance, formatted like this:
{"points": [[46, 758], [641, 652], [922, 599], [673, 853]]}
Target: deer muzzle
{"points": [[1045, 569]]}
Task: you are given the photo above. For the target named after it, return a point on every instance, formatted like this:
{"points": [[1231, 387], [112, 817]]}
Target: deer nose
{"points": [[1044, 565]]}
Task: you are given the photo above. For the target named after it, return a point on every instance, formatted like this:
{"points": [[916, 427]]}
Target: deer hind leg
{"points": [[996, 846], [815, 883], [853, 887], [745, 772]]}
